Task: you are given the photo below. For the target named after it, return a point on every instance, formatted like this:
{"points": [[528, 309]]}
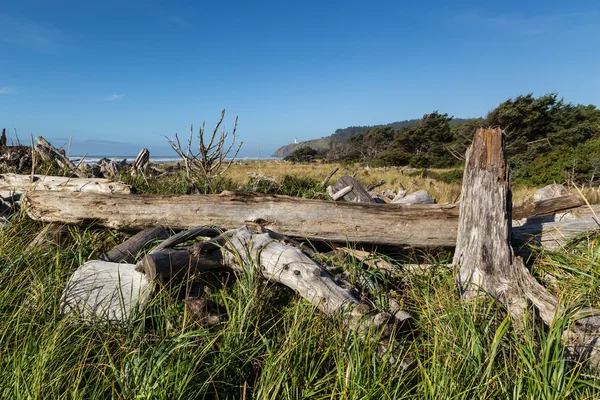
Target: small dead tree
{"points": [[212, 159]]}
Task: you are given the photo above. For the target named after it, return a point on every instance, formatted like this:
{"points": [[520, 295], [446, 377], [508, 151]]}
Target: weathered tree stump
{"points": [[141, 162], [484, 254]]}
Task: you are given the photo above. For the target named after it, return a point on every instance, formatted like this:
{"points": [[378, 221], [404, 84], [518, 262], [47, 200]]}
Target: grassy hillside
{"points": [[345, 133]]}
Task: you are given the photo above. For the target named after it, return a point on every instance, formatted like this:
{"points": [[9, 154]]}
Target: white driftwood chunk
{"points": [[550, 192], [22, 183], [341, 193], [105, 290], [418, 197], [289, 266]]}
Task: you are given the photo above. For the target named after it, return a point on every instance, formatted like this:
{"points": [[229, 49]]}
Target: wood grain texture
{"points": [[392, 224], [357, 194], [22, 183], [414, 225]]}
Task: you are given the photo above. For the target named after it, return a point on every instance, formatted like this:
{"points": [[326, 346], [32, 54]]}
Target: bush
{"points": [[304, 154]]}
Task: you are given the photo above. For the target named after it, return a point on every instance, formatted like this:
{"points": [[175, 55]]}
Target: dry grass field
{"points": [[411, 179]]}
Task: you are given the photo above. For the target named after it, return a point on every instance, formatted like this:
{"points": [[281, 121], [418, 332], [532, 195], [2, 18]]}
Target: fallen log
{"points": [[339, 194], [14, 183], [416, 225], [555, 230], [112, 291], [241, 249], [428, 225], [128, 250]]}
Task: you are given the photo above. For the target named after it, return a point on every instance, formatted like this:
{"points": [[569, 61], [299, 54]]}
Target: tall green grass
{"points": [[272, 344]]}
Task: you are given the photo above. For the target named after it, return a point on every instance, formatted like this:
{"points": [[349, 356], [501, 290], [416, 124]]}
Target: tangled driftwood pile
{"points": [[249, 233], [24, 160]]}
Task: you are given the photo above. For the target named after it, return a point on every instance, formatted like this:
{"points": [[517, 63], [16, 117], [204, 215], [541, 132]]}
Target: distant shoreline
{"points": [[156, 159]]}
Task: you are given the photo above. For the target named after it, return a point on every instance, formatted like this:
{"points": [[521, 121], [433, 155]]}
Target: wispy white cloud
{"points": [[180, 22], [30, 34], [8, 90], [540, 24], [114, 97]]}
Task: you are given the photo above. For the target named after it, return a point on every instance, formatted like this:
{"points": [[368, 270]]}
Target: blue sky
{"points": [[135, 72]]}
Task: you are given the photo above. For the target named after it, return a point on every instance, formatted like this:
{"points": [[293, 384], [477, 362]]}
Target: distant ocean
{"points": [[156, 159]]}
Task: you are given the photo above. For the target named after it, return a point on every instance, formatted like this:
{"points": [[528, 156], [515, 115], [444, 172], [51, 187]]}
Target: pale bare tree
{"points": [[211, 160]]}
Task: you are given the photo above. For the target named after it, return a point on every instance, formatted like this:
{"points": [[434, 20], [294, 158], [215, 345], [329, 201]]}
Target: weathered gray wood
{"points": [[484, 254], [550, 192], [128, 250], [554, 231], [547, 207], [61, 159], [357, 194], [180, 263], [329, 176], [141, 162], [289, 266], [15, 159], [400, 195], [418, 197], [416, 225], [11, 183], [106, 291], [393, 224], [483, 249], [374, 186], [341, 193]]}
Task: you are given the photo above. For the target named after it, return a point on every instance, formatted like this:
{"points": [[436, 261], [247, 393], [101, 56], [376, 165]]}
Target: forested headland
{"points": [[549, 140]]}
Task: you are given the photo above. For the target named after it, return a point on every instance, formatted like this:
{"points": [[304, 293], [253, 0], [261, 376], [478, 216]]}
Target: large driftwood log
{"points": [[485, 256], [14, 183], [416, 225], [546, 207], [276, 261], [391, 224], [555, 230]]}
